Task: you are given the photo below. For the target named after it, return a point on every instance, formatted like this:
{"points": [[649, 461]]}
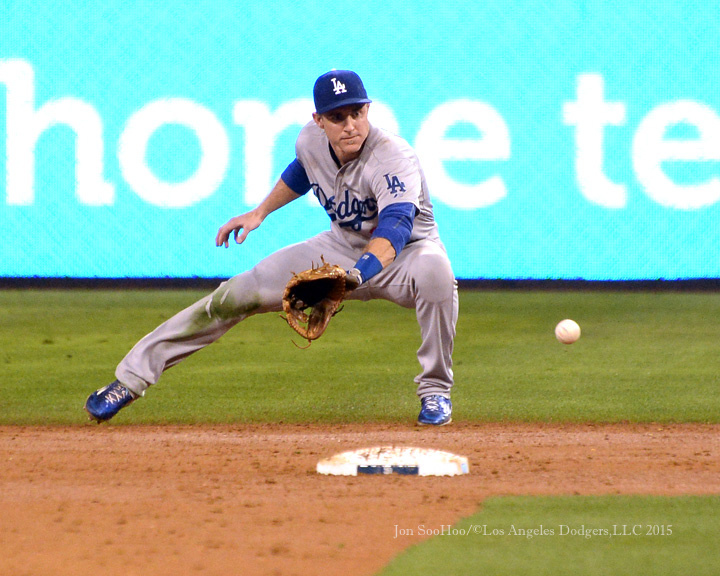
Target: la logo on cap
{"points": [[338, 87]]}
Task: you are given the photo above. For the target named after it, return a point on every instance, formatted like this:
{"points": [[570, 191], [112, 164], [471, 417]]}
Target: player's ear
{"points": [[319, 120]]}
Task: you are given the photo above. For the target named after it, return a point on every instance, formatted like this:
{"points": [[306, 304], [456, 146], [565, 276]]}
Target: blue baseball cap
{"points": [[338, 88]]}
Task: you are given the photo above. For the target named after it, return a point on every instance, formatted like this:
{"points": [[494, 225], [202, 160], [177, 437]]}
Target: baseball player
{"points": [[382, 231]]}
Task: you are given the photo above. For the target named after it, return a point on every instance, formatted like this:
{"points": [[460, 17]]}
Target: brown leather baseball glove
{"points": [[312, 298]]}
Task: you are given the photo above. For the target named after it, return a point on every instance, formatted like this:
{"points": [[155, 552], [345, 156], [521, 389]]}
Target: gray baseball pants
{"points": [[420, 278]]}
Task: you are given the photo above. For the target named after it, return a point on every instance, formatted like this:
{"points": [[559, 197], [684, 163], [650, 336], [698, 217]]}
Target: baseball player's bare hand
{"points": [[245, 222]]}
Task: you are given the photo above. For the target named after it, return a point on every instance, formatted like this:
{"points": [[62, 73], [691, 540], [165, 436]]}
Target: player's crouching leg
{"points": [[436, 304], [180, 336], [422, 277]]}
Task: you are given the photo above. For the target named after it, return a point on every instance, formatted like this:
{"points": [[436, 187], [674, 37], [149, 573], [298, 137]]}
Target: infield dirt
{"points": [[245, 499]]}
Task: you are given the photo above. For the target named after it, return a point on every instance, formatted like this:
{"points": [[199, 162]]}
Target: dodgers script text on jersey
{"points": [[386, 172]]}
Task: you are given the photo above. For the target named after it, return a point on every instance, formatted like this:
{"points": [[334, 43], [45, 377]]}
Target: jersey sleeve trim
{"points": [[296, 178]]}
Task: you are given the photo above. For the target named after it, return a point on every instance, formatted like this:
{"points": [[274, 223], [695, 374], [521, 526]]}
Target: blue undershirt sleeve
{"points": [[395, 224], [296, 178]]}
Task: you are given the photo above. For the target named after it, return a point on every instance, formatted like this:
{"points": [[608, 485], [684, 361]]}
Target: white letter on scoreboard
{"points": [[651, 149], [24, 126], [590, 114], [214, 149], [261, 130], [433, 147]]}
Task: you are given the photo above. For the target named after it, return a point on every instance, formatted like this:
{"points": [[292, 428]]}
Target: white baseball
{"points": [[567, 331]]}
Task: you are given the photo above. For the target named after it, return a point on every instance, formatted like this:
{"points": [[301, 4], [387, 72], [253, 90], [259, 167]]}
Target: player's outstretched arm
{"points": [[279, 196]]}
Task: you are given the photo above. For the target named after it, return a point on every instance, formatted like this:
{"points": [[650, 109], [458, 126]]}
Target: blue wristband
{"points": [[368, 265]]}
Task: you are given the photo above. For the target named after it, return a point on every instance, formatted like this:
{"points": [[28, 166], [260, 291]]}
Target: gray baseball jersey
{"points": [[387, 171]]}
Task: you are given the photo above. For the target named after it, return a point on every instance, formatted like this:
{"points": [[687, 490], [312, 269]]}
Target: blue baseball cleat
{"points": [[103, 404], [436, 410]]}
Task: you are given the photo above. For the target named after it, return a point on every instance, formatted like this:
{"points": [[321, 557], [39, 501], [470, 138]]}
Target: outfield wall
{"points": [[561, 140]]}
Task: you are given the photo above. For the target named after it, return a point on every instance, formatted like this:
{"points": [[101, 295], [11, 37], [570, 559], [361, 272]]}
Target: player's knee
{"points": [[233, 299], [434, 279]]}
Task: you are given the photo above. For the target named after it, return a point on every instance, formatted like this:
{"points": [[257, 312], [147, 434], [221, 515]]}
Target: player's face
{"points": [[346, 128]]}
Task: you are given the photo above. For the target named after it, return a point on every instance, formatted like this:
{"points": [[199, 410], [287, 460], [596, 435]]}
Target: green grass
{"points": [[642, 357], [633, 536]]}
